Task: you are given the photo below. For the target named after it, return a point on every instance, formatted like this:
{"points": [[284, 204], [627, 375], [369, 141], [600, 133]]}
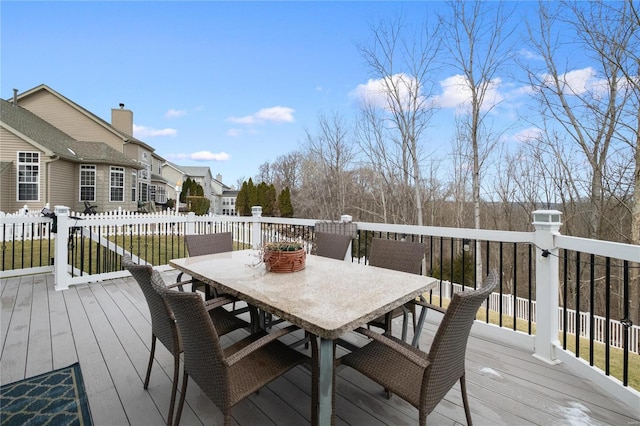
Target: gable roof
{"points": [[54, 142], [195, 171], [124, 136]]}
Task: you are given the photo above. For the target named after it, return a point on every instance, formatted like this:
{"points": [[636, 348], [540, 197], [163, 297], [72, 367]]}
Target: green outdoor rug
{"points": [[54, 398]]}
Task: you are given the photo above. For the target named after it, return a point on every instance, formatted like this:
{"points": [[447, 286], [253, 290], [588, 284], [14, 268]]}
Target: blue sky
{"points": [[229, 85]]}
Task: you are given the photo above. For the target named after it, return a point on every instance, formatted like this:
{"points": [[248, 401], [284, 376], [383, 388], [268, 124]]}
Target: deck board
{"points": [[107, 328], [39, 354]]}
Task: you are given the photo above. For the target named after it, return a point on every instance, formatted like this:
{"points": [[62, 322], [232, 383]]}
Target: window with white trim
{"points": [[152, 193], [87, 183], [116, 184], [134, 185], [28, 176], [161, 195], [144, 192]]}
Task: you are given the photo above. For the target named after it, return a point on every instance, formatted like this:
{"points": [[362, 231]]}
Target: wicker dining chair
{"points": [[405, 256], [198, 245], [163, 325], [226, 375], [333, 246], [421, 378]]}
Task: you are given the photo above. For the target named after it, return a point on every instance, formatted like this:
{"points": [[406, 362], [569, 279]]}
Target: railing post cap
{"points": [[547, 217], [345, 218], [61, 210], [256, 211]]}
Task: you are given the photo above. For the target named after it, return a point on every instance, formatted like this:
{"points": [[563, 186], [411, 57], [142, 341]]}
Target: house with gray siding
{"points": [[42, 164]]}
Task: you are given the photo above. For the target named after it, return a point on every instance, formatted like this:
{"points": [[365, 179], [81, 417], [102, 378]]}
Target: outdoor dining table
{"points": [[328, 298]]}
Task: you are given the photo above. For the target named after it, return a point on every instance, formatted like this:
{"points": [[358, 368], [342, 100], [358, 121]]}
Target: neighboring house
{"points": [[49, 142], [158, 186], [174, 177], [225, 197], [40, 164], [229, 202], [213, 189], [141, 185]]}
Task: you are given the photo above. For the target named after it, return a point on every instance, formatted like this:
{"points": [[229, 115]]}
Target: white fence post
{"points": [[61, 254], [256, 212], [190, 224], [547, 224]]}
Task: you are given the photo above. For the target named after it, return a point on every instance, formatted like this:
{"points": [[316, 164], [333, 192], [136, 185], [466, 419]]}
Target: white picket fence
{"points": [[23, 226]]}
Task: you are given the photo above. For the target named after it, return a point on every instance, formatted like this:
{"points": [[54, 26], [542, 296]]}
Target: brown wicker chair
{"points": [[226, 375], [198, 245], [163, 325], [405, 256], [420, 378], [332, 245]]}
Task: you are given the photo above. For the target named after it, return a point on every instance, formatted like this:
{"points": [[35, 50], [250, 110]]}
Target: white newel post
{"points": [[190, 228], [256, 241], [61, 254], [345, 218], [547, 224]]}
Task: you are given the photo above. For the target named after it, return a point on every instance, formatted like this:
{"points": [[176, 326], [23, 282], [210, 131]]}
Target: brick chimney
{"points": [[122, 119]]}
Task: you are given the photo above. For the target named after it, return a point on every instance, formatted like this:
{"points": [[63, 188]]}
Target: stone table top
{"points": [[328, 298]]}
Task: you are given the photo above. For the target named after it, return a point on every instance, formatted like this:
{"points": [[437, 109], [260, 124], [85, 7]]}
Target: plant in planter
{"points": [[284, 256]]}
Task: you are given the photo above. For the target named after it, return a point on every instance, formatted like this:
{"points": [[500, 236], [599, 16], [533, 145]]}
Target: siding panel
{"points": [[68, 119], [63, 180], [9, 147]]}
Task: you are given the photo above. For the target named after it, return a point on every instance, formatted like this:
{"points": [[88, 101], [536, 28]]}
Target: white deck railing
{"points": [[545, 312]]}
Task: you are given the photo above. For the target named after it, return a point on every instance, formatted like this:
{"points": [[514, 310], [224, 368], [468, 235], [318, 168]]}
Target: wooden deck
{"points": [[106, 327]]}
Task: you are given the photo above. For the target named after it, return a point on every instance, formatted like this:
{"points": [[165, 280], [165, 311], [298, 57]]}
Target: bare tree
{"points": [[331, 151], [400, 64], [477, 41], [381, 168], [591, 117], [585, 108]]}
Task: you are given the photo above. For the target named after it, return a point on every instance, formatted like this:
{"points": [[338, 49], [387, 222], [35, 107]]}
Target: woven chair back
{"points": [[198, 245], [449, 345], [405, 256], [204, 358], [332, 245], [163, 325]]}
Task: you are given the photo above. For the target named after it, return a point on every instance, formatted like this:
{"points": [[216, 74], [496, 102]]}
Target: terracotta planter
{"points": [[284, 261]]}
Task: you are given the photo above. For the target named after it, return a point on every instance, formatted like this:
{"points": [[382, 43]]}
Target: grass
{"points": [[92, 258], [26, 254]]}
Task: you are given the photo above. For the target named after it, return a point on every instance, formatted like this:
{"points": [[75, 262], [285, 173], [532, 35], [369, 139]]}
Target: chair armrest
{"points": [[407, 353], [219, 301], [179, 285], [252, 347], [428, 305]]}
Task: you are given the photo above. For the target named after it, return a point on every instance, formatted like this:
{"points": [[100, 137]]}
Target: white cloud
{"points": [[209, 156], [200, 156], [528, 54], [528, 134], [375, 92], [173, 113], [142, 132], [277, 114], [234, 133], [579, 82], [457, 94]]}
